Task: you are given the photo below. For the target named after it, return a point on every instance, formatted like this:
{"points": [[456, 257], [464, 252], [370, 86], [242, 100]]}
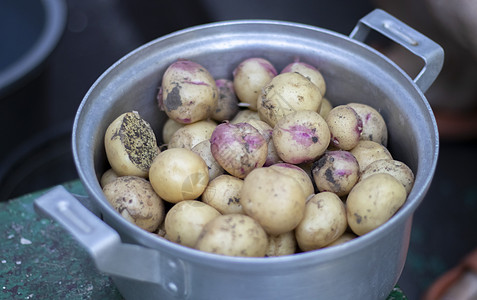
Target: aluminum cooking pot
{"points": [[144, 266]]}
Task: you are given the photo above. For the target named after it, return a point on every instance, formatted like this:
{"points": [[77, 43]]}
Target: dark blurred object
{"points": [[29, 31]]}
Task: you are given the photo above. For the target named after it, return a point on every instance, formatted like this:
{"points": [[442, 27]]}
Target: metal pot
{"points": [[146, 267]]}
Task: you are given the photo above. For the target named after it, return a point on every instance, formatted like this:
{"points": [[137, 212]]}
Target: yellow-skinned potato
{"points": [[223, 193], [233, 235], [249, 78], [324, 222], [325, 108], [169, 128], [373, 201], [108, 177], [191, 134], [297, 174], [134, 198], [282, 244], [186, 219], [398, 169], [203, 149], [275, 200], [130, 145], [345, 237], [178, 174], [345, 127], [368, 151], [287, 93], [310, 72]]}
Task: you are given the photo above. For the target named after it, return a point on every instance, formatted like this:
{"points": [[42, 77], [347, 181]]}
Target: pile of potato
{"points": [[257, 165]]}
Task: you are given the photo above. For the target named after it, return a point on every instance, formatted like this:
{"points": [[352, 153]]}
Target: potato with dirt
{"points": [[298, 174], [287, 93], [179, 174], [188, 92], [345, 127], [130, 145], [324, 222], [336, 171], [204, 151], [310, 72], [301, 136], [192, 134], [396, 168], [274, 199], [227, 103], [249, 77], [185, 220], [135, 200], [374, 126], [223, 193], [367, 152], [282, 244], [170, 126], [238, 148], [233, 235], [373, 201]]}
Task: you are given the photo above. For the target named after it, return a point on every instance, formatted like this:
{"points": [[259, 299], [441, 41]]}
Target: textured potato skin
{"points": [[203, 150], [223, 193], [185, 220], [310, 72], [373, 201], [130, 145], [368, 151], [282, 244], [374, 126], [345, 127], [301, 136], [249, 77], [233, 235], [323, 223], [396, 168], [191, 134], [188, 92], [336, 171], [287, 93], [135, 199], [275, 200]]}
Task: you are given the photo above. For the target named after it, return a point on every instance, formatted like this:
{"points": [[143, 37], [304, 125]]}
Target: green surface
{"points": [[39, 260]]}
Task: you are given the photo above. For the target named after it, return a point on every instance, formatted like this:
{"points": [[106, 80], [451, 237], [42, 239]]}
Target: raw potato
{"points": [[188, 92], [249, 78], [398, 169], [223, 193], [345, 127], [130, 145], [266, 131], [336, 171], [287, 93], [227, 104], [282, 244], [169, 128], [233, 235], [134, 198], [374, 126], [179, 174], [275, 200], [325, 108], [301, 136], [244, 115], [185, 221], [323, 223], [191, 134], [297, 174], [368, 151], [345, 237], [373, 201], [238, 148], [108, 177], [203, 149], [310, 72]]}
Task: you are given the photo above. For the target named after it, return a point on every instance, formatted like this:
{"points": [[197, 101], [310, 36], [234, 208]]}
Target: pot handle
{"points": [[417, 43], [104, 245]]}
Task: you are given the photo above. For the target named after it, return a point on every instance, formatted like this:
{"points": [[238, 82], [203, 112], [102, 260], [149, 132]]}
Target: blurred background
{"points": [[52, 51]]}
